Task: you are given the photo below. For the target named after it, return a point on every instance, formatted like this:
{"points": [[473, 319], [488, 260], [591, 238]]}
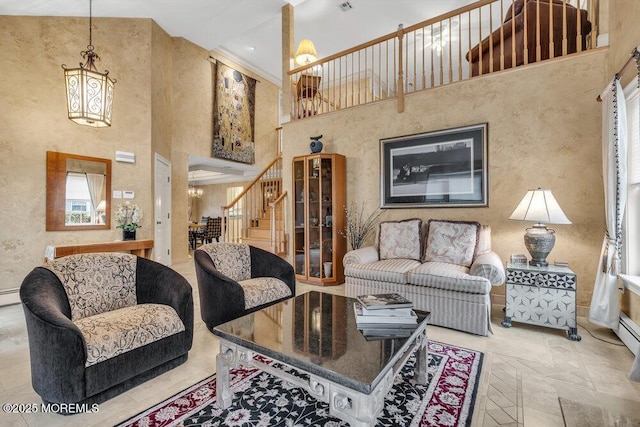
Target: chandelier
{"points": [[194, 192], [89, 92]]}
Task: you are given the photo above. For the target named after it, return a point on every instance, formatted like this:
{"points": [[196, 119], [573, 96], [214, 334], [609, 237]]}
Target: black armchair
{"points": [[71, 304], [235, 279]]}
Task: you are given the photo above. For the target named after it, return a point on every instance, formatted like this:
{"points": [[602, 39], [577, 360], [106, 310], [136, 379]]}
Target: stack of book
{"points": [[384, 316]]}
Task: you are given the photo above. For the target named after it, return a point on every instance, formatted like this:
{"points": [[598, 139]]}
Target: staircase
{"points": [[256, 216], [259, 232]]}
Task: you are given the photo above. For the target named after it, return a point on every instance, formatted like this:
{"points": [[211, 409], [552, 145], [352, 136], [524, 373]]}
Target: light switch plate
{"points": [[128, 194], [117, 194]]}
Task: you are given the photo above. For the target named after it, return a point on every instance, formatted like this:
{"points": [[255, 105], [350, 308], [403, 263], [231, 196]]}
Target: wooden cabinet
{"points": [[319, 190]]}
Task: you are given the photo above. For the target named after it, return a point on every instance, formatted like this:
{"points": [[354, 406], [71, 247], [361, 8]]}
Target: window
{"points": [[78, 200], [631, 224]]}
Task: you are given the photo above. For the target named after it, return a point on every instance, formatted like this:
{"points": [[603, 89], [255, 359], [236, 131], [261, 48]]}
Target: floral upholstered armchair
{"points": [[235, 279], [101, 323]]}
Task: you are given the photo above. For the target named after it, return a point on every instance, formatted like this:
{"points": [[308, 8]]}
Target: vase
{"points": [[327, 269], [316, 146], [128, 235]]}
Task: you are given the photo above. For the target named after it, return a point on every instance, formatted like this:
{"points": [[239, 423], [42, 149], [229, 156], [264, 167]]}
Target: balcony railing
{"points": [[484, 37]]}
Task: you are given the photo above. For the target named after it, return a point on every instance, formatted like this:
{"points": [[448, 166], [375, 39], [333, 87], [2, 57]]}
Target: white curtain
{"points": [[95, 182], [604, 310]]}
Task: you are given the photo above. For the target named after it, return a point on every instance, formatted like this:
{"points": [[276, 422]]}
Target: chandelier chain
{"points": [[90, 47]]}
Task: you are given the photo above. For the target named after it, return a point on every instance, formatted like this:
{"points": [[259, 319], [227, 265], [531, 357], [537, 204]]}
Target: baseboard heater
{"points": [[629, 333], [9, 296]]}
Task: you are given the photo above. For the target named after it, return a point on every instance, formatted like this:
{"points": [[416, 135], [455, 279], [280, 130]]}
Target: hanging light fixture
{"points": [[192, 191], [89, 92]]}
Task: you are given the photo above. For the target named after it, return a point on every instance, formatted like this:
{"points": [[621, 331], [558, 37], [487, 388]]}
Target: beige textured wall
{"points": [[624, 35], [543, 125], [161, 86], [191, 132], [34, 120], [192, 106], [213, 197], [162, 103]]}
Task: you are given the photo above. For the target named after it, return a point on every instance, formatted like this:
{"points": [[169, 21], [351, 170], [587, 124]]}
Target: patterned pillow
{"points": [[453, 242], [97, 283], [231, 259], [400, 239]]}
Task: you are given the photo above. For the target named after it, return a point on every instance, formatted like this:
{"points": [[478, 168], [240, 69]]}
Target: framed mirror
{"points": [[78, 192]]}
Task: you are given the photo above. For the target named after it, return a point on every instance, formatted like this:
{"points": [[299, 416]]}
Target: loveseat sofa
{"points": [[102, 323], [445, 267]]}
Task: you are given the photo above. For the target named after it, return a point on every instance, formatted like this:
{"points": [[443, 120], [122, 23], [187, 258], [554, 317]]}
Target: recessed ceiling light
{"points": [[251, 48]]}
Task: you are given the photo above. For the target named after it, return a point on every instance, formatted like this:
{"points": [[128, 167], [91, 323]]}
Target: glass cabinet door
{"points": [[313, 218], [326, 218], [299, 217], [319, 188]]}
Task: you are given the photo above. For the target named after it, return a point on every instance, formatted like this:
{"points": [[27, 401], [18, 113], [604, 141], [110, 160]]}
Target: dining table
{"points": [[193, 228]]}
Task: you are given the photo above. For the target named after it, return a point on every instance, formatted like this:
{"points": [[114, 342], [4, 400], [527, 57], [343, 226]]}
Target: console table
{"points": [[543, 296], [141, 248]]}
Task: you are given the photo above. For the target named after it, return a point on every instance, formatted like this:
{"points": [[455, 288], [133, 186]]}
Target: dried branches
{"points": [[358, 228]]}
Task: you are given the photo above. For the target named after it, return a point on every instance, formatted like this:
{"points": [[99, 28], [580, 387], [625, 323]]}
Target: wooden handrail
{"points": [[256, 179], [279, 199], [348, 78], [394, 34]]}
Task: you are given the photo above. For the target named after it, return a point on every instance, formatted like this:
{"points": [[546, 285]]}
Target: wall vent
{"points": [[345, 6]]}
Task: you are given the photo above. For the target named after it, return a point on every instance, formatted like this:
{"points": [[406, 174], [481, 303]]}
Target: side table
{"points": [[543, 296]]}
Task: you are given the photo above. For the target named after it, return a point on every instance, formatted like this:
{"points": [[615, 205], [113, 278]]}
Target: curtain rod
{"points": [[635, 56]]}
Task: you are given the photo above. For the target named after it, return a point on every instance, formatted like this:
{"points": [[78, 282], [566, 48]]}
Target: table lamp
{"points": [[541, 207]]}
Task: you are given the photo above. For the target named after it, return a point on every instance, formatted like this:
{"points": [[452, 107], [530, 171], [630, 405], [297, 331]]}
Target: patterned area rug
{"points": [[261, 399]]}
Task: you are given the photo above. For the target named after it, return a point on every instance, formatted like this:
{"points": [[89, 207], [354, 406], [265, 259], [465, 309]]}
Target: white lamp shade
{"points": [[541, 207], [306, 52]]}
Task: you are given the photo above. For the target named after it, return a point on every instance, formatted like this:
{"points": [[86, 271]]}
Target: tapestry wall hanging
{"points": [[233, 114]]}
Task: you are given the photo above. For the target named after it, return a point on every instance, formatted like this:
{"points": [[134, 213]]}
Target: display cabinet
{"points": [[319, 188]]}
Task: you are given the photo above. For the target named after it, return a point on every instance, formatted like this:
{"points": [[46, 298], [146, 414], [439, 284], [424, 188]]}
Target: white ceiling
{"points": [[208, 170], [249, 32]]}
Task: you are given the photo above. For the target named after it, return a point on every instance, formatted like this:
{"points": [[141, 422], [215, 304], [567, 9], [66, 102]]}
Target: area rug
{"points": [[261, 399]]}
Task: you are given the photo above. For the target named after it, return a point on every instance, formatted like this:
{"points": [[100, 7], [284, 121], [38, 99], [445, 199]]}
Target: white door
{"points": [[162, 191]]}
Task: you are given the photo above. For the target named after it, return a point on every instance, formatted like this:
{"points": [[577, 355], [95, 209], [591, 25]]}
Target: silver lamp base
{"points": [[539, 241]]}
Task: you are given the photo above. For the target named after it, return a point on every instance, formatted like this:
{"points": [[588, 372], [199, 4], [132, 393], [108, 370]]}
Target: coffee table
{"points": [[312, 341]]}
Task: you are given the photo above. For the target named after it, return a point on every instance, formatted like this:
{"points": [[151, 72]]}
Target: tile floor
{"points": [[526, 371]]}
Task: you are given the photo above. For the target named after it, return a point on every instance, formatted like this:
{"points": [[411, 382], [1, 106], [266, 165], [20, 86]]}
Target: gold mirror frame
{"points": [[56, 192]]}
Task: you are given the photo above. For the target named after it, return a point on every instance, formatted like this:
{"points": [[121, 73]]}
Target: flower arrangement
{"points": [[358, 227], [128, 216]]}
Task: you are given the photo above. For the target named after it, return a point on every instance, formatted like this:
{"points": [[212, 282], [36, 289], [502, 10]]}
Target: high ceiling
{"points": [[249, 31]]}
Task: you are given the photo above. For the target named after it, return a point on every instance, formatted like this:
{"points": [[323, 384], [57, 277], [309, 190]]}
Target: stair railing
{"points": [[253, 202], [484, 37], [278, 236]]}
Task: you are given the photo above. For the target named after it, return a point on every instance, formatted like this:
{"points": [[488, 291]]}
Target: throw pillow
{"points": [[453, 242], [400, 239]]}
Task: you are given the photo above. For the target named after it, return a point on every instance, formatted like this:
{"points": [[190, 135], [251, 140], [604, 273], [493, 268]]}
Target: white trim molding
{"points": [[9, 297]]}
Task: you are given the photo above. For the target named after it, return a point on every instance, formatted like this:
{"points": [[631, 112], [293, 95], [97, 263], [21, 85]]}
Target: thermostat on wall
{"points": [[126, 194]]}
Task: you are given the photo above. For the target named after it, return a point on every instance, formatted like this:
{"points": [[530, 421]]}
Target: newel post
{"points": [[400, 70]]}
